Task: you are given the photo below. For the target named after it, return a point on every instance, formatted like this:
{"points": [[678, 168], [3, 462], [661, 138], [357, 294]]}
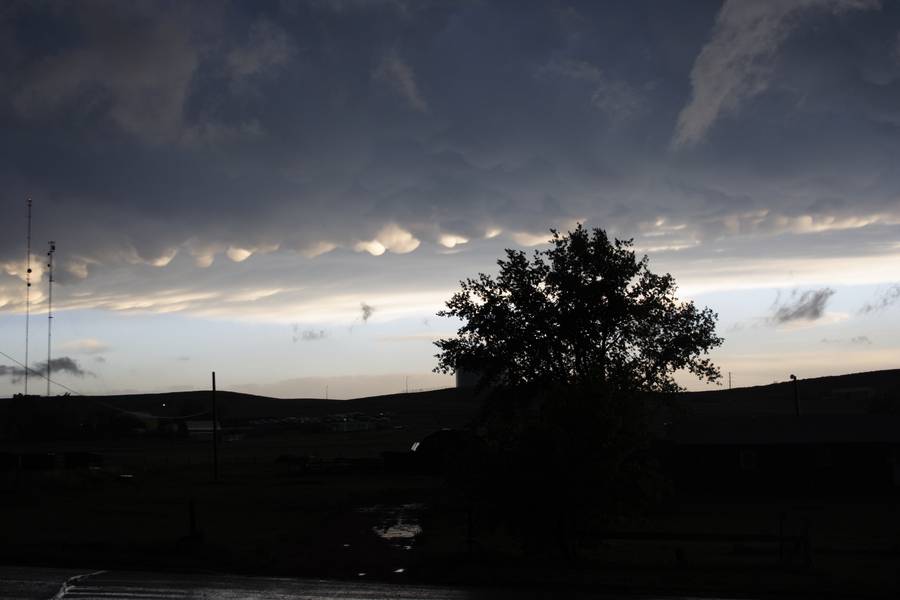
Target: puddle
{"points": [[396, 523]]}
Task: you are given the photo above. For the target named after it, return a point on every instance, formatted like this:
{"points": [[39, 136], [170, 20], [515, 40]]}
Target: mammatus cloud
{"points": [[806, 306], [398, 76], [737, 62], [391, 237], [366, 311], [307, 335], [63, 364], [883, 300], [393, 180]]}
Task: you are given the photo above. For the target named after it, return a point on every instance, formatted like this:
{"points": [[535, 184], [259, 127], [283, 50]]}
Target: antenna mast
{"points": [[27, 290], [49, 308]]}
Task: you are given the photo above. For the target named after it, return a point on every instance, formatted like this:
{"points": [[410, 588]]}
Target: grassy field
{"points": [[269, 514]]}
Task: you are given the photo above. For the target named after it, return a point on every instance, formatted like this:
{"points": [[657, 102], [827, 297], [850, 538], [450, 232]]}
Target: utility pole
{"points": [[215, 430], [49, 309], [407, 384], [729, 380], [27, 290]]}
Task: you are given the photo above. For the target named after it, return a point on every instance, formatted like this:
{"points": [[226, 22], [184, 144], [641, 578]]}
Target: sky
{"points": [[287, 192]]}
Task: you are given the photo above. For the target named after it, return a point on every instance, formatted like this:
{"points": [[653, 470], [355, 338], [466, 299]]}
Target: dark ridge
{"points": [[867, 392]]}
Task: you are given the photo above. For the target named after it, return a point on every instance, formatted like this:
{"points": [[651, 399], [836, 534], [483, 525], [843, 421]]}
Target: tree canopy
{"points": [[584, 311]]}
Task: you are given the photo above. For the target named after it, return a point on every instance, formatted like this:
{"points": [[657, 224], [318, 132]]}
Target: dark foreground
{"points": [[17, 583], [396, 534], [324, 505]]}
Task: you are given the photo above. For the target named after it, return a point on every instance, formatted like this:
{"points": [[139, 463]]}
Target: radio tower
{"points": [[27, 290], [49, 308]]}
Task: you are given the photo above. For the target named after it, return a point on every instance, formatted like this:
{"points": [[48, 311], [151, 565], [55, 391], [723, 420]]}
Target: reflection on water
{"points": [[397, 523]]}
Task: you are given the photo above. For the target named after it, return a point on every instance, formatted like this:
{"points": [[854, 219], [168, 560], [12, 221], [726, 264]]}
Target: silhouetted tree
{"points": [[585, 310], [569, 341]]}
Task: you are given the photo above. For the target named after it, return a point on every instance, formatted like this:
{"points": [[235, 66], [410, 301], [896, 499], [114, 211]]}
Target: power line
{"points": [[38, 373]]}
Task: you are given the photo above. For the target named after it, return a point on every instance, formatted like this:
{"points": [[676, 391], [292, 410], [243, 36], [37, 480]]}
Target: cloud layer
{"points": [[287, 160]]}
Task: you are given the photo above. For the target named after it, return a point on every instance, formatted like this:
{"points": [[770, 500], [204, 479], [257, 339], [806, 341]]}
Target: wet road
{"points": [[27, 583]]}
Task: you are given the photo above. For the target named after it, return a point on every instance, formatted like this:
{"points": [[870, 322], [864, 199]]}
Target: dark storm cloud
{"points": [[63, 364], [169, 136], [367, 311], [885, 299], [15, 373], [801, 306]]}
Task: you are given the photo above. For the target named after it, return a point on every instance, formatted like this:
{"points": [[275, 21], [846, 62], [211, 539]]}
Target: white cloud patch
{"points": [[253, 295], [449, 240], [391, 237], [373, 247], [317, 249], [77, 268], [526, 238], [737, 62], [238, 254], [163, 259]]}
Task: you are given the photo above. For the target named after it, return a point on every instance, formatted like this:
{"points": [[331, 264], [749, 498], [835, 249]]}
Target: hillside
{"points": [[449, 407], [869, 392]]}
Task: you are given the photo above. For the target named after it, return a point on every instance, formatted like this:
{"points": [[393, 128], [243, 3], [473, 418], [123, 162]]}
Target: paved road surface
{"points": [[27, 583]]}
